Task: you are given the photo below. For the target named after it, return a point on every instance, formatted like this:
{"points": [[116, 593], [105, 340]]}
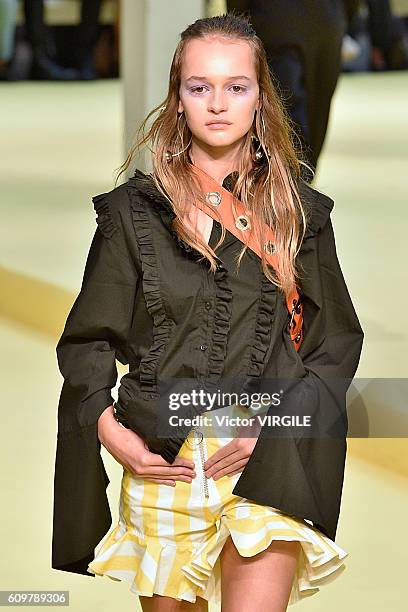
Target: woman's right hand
{"points": [[131, 451]]}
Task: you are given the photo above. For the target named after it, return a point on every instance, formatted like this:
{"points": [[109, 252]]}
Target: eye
{"points": [[194, 89], [239, 87]]}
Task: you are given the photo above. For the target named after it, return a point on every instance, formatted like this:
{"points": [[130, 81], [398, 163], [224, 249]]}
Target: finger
{"points": [[181, 477], [166, 482], [233, 473], [156, 459], [229, 470], [228, 460], [221, 453], [226, 469], [243, 449], [169, 472], [183, 461]]}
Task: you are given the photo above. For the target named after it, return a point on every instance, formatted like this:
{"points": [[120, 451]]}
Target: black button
{"points": [[208, 305], [203, 347]]}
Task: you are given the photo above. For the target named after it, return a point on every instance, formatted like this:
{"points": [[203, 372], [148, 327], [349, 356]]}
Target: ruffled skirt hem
{"points": [[186, 570]]}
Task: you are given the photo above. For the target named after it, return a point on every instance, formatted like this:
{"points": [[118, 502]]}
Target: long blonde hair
{"points": [[269, 190]]}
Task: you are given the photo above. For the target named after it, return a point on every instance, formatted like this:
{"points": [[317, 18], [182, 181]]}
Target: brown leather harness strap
{"points": [[223, 200]]}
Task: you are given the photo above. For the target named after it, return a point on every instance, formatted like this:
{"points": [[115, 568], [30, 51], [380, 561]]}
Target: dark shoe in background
{"points": [[44, 68], [4, 68], [87, 71], [18, 68]]}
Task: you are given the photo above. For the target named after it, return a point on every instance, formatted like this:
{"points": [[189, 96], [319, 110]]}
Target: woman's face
{"points": [[218, 82]]}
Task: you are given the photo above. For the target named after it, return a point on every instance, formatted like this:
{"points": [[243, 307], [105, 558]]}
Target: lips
{"points": [[218, 123]]}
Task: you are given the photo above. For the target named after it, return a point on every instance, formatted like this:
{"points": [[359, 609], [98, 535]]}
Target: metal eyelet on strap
{"points": [[242, 222], [214, 198]]}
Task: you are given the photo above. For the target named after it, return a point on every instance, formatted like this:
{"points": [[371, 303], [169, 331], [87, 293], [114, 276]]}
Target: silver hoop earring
{"points": [[169, 154], [259, 154]]}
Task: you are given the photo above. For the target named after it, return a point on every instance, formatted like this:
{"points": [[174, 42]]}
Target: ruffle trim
{"points": [[263, 328], [162, 325], [185, 571], [104, 215], [152, 567], [222, 324], [142, 183]]}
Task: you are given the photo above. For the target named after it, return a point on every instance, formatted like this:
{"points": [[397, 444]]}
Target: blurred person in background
{"points": [[41, 62], [87, 36], [43, 66], [380, 31], [303, 41], [387, 36], [380, 28], [8, 10]]}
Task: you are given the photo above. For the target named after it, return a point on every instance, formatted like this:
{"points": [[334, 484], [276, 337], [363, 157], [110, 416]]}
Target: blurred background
{"points": [[79, 39], [77, 77]]}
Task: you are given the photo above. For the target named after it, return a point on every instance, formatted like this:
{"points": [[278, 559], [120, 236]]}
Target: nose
{"points": [[217, 102]]}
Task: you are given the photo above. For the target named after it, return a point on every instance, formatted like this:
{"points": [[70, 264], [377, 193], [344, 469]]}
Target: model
{"points": [[215, 274]]}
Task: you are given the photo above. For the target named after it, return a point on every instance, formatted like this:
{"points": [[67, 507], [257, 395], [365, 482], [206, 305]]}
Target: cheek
{"points": [[196, 113], [242, 108], [243, 113], [195, 106], [245, 104]]}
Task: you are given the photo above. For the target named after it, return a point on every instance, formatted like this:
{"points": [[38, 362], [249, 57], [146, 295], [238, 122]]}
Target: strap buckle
{"points": [[296, 304]]}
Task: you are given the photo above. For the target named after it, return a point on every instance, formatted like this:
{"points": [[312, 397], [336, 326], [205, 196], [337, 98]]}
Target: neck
{"points": [[217, 169]]}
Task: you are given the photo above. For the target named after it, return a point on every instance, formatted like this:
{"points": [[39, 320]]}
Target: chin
{"points": [[218, 140]]}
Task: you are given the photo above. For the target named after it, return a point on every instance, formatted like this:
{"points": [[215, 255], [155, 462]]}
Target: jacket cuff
{"points": [[94, 406]]}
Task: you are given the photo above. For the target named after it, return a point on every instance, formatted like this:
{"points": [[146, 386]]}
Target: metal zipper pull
{"points": [[203, 457]]}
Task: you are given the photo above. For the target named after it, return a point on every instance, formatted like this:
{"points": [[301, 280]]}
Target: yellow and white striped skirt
{"points": [[168, 539]]}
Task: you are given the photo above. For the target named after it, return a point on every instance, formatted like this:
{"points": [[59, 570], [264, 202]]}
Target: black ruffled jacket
{"points": [[142, 302]]}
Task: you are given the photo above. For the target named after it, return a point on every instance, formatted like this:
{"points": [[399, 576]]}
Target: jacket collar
{"points": [[147, 186], [319, 204]]}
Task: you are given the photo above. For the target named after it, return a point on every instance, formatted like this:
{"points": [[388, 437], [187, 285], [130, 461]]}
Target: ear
{"points": [[180, 107]]}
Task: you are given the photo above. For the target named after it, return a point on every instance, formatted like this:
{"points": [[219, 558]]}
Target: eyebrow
{"points": [[203, 78]]}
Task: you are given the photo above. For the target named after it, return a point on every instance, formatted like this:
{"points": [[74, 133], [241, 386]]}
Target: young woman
{"points": [[248, 520]]}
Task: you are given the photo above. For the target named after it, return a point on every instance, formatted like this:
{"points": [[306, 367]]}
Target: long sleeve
{"points": [[305, 469], [94, 336], [333, 336], [330, 352], [330, 356]]}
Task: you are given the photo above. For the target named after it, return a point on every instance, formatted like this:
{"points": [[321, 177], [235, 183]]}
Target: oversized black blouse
{"points": [[148, 300]]}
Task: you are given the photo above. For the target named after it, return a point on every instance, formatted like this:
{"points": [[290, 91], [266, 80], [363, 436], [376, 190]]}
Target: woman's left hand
{"points": [[233, 457]]}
